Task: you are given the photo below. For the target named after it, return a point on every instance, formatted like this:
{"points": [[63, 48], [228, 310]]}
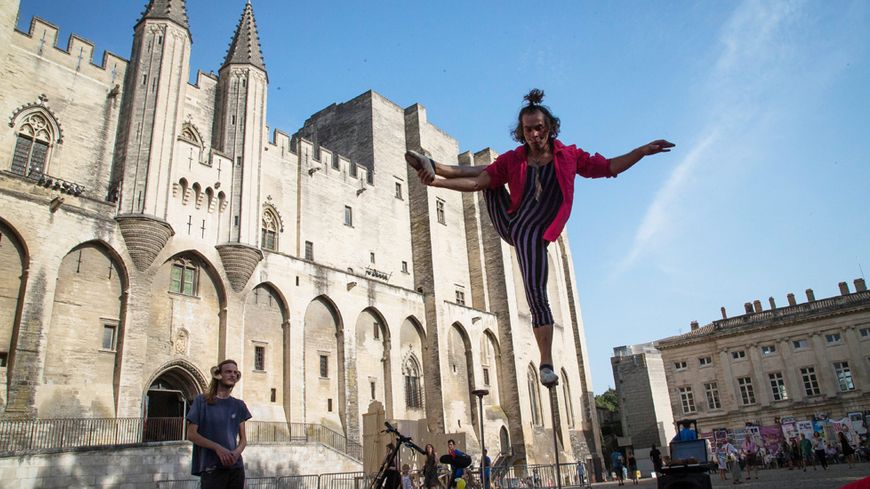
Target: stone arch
{"points": [[412, 345], [324, 353], [188, 307], [14, 266], [191, 134], [167, 397], [372, 362], [86, 328], [265, 358], [461, 381], [504, 441]]}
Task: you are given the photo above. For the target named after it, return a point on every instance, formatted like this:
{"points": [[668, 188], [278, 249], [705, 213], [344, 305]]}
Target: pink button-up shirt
{"points": [[510, 168]]}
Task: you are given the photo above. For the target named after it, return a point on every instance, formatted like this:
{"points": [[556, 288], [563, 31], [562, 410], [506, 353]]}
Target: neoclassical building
{"points": [[805, 361], [150, 227]]}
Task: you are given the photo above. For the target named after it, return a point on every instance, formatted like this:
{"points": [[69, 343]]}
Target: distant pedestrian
{"points": [[722, 461], [749, 450], [819, 449], [656, 457], [797, 460], [846, 448], [617, 462], [581, 473], [734, 463], [632, 468], [807, 452], [430, 468], [686, 432], [487, 469], [391, 461]]}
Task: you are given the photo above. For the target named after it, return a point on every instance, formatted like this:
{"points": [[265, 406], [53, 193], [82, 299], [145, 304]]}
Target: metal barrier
{"points": [[298, 482]]}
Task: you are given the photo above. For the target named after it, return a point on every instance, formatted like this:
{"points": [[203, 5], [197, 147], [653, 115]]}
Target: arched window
{"points": [[184, 278], [535, 396], [32, 145], [413, 388], [269, 228]]}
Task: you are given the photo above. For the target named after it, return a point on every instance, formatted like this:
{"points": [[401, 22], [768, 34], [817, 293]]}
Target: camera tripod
{"points": [[401, 439]]}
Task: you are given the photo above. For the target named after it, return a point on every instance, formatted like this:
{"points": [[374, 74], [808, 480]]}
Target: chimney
{"points": [[844, 288], [860, 286], [810, 296], [791, 300], [772, 303], [724, 315], [693, 325], [757, 304], [747, 307]]}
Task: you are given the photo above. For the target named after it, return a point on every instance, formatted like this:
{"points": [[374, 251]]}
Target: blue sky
{"points": [[767, 101]]}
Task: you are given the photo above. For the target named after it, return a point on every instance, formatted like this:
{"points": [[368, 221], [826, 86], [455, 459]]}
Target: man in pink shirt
{"points": [[540, 177]]}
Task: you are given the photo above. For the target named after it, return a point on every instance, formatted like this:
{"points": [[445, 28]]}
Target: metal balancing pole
{"points": [[554, 407], [480, 393]]}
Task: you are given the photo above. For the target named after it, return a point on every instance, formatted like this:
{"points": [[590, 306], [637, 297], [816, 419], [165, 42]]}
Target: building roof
{"points": [[174, 10], [245, 46], [831, 306]]}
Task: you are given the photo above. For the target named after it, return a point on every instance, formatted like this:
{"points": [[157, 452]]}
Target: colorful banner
{"points": [[772, 438]]}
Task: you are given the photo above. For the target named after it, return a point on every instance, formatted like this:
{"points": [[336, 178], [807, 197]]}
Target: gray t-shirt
{"points": [[219, 423]]}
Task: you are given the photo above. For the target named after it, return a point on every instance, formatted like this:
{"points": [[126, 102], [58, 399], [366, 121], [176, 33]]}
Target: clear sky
{"points": [[768, 102]]}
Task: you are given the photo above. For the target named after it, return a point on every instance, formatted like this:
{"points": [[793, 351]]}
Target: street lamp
{"points": [[480, 393]]}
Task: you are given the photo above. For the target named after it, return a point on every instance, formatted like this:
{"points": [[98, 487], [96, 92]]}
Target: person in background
{"points": [[846, 448], [656, 457], [734, 462], [819, 449], [749, 450], [807, 452], [616, 461], [487, 469], [722, 460], [581, 473], [456, 472], [686, 432], [406, 477], [430, 468]]}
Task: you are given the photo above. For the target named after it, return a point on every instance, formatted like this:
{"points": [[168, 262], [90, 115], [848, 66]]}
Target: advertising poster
{"points": [[805, 428], [789, 431], [857, 423], [772, 438]]}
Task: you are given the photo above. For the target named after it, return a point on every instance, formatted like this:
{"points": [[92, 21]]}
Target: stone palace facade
{"points": [[150, 227]]}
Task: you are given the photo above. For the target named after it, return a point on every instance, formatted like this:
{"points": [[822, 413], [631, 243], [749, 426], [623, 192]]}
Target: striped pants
{"points": [[524, 231]]}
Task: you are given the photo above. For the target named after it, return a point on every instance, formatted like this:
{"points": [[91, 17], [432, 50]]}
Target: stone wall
{"points": [[142, 467]]}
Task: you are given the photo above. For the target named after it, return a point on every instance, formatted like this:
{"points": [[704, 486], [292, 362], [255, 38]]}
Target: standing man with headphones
{"points": [[217, 429]]}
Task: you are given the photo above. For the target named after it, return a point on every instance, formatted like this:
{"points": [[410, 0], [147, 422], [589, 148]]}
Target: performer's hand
{"points": [[657, 146], [425, 178], [225, 456]]}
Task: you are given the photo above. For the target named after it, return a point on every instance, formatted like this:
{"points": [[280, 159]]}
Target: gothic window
{"points": [[534, 396], [566, 393], [269, 228], [413, 388], [184, 278], [32, 146]]}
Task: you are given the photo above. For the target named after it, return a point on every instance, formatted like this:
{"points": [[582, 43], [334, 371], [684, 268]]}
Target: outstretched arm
{"points": [[626, 161], [463, 184]]}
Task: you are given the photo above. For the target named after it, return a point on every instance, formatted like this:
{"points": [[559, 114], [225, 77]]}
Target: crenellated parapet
{"points": [[316, 159], [42, 40]]}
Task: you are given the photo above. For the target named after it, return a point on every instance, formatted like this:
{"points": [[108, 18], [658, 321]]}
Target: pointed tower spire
{"points": [[174, 10], [245, 46]]}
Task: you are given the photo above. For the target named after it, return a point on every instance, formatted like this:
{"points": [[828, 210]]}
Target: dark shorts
{"points": [[751, 459], [223, 479]]}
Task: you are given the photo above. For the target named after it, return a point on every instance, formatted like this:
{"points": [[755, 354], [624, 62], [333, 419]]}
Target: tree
{"points": [[607, 400]]}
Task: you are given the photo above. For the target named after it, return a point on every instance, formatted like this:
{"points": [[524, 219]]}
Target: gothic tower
{"points": [[151, 119], [240, 126]]}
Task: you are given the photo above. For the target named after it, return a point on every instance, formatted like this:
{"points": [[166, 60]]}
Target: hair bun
{"points": [[534, 97]]}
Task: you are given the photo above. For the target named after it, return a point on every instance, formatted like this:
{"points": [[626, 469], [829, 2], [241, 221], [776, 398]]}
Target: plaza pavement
{"points": [[835, 477]]}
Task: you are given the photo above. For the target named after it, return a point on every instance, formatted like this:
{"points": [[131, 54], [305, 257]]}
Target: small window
{"points": [[324, 367], [373, 387], [777, 386], [844, 376], [110, 335], [273, 395], [687, 399], [747, 393], [376, 330], [712, 392], [260, 358], [269, 231], [738, 354], [3, 358], [439, 211], [329, 405], [833, 338], [864, 333], [460, 297], [485, 376], [705, 361], [800, 344], [309, 251], [680, 365], [372, 257], [184, 278], [811, 382], [768, 350], [398, 190], [404, 267], [348, 216]]}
